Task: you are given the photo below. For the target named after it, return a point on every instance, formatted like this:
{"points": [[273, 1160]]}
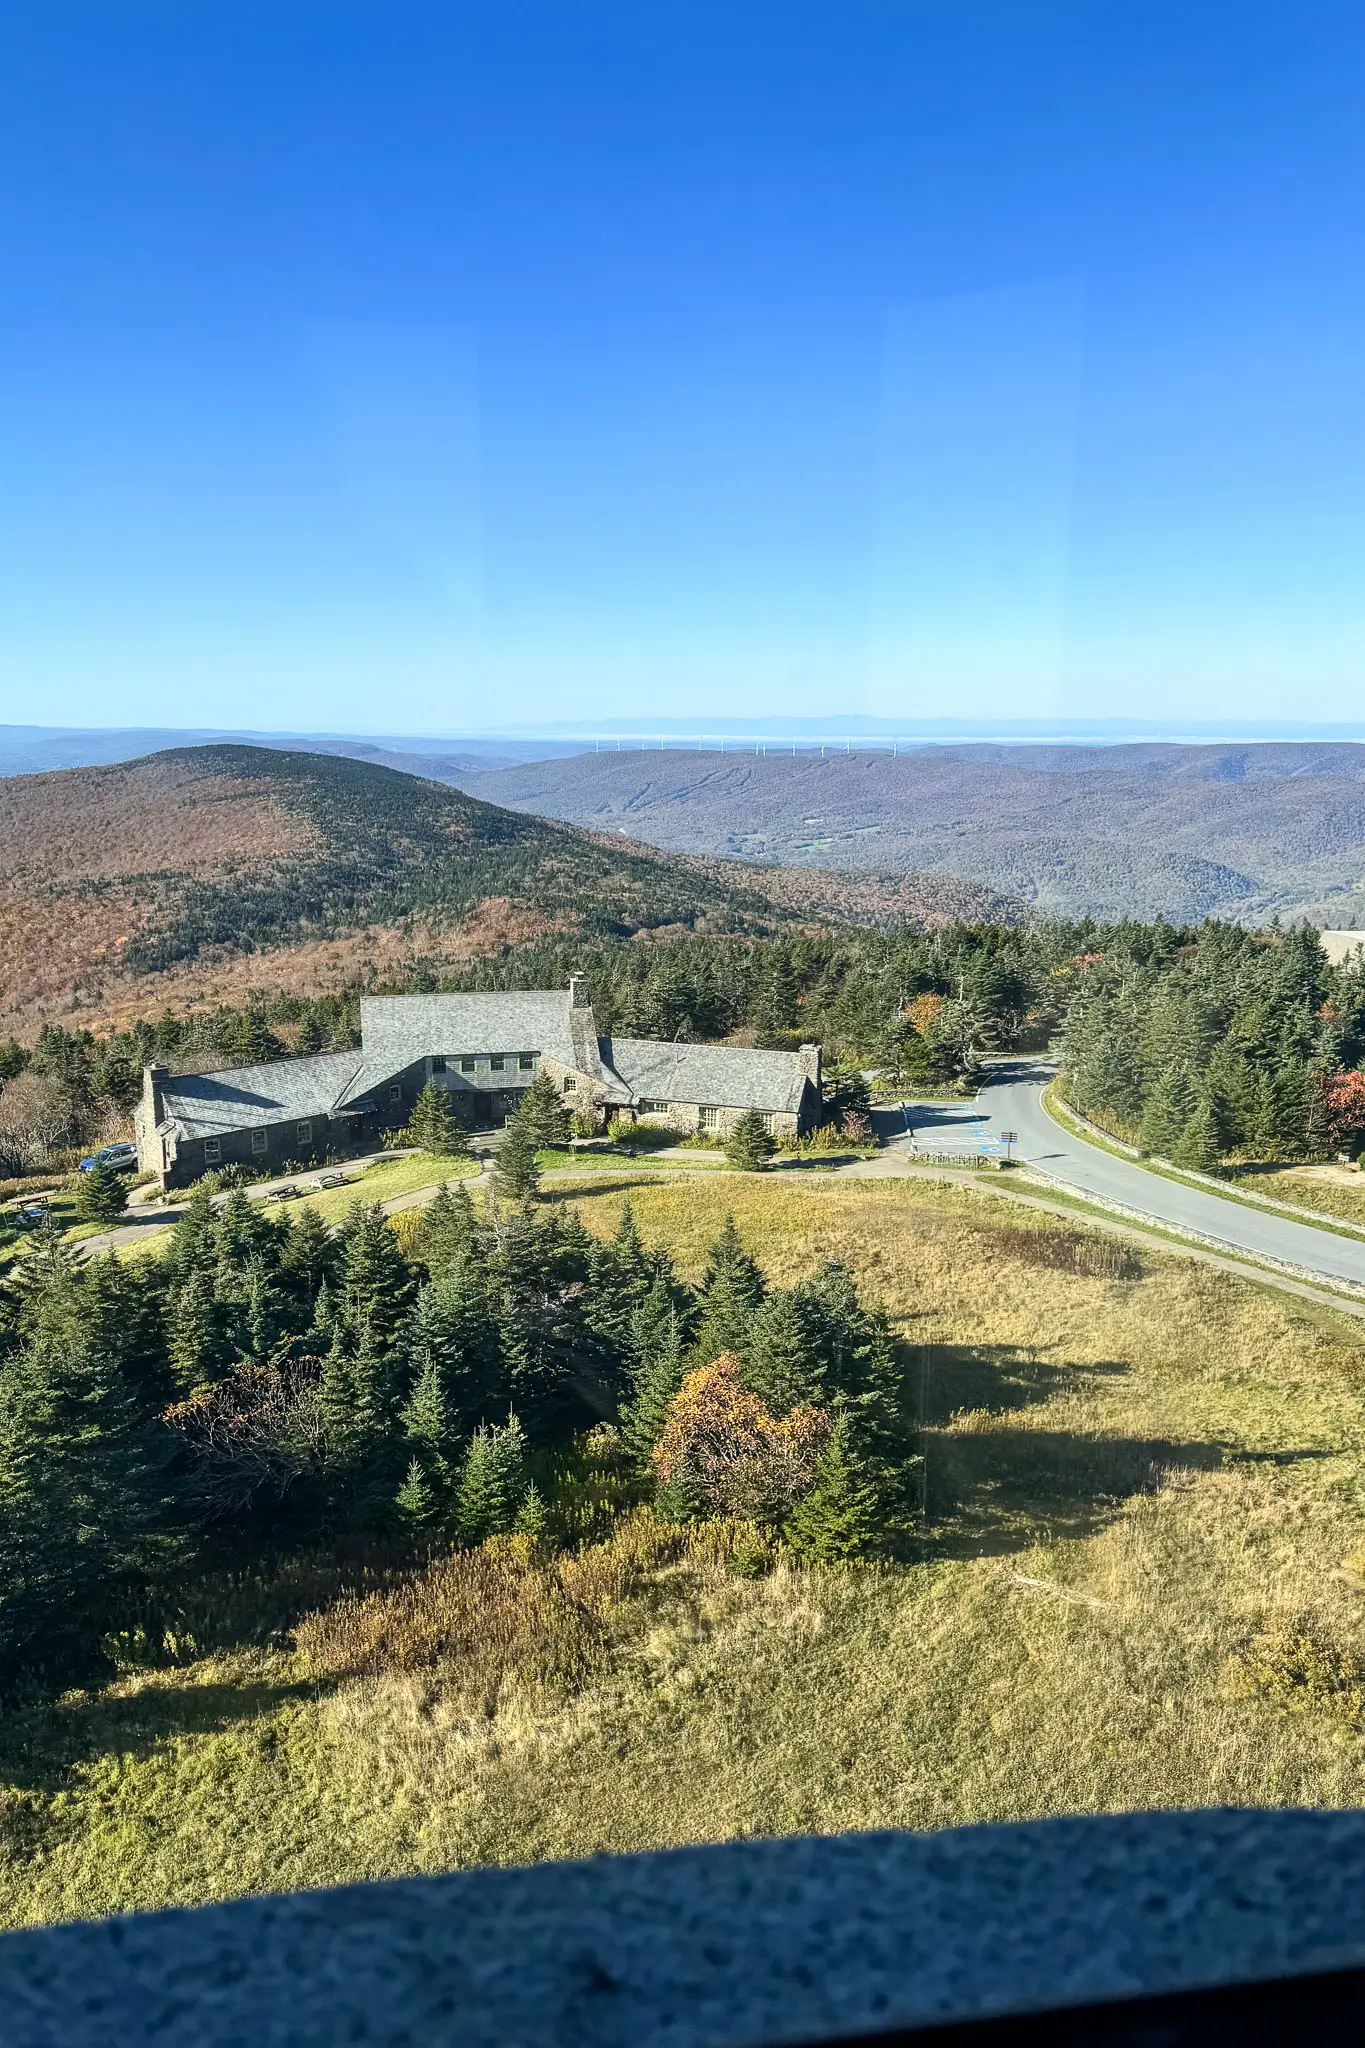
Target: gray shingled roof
{"points": [[211, 1105], [396, 1030], [399, 1030], [728, 1076]]}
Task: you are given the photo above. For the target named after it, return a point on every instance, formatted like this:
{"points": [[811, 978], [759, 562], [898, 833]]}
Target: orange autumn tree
{"points": [[921, 1014], [1343, 1107], [725, 1445]]}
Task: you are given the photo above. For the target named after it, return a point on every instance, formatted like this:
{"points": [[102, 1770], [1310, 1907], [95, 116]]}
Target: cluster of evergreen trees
{"points": [[268, 1384], [1215, 1041]]}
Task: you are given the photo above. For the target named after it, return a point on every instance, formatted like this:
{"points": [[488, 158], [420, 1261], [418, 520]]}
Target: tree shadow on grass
{"points": [[46, 1740], [952, 1379], [991, 1491]]}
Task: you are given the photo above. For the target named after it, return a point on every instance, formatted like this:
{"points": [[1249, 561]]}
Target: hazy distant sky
{"points": [[424, 366]]}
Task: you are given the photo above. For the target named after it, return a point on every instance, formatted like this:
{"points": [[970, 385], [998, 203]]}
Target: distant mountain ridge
{"points": [[199, 873], [1243, 830]]}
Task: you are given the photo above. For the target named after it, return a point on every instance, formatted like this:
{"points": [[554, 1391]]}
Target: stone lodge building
{"points": [[484, 1049]]}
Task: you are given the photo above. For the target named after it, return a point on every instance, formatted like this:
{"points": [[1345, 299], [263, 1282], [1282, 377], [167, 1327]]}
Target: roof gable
{"points": [[728, 1076]]}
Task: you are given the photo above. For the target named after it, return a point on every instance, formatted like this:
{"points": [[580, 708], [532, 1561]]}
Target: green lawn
{"points": [[612, 1162], [383, 1183]]}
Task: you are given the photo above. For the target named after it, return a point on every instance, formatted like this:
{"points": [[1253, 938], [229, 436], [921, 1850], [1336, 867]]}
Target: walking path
{"points": [[1223, 1232]]}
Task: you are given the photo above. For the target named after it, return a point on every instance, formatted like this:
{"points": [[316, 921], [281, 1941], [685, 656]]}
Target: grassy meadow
{"points": [[1307, 1187], [1140, 1580]]}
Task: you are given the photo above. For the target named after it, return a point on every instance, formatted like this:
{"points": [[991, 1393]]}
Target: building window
{"points": [[260, 1141], [213, 1151], [708, 1117], [497, 1063], [570, 1085], [304, 1132], [526, 1061], [396, 1093], [654, 1109], [438, 1064], [467, 1066]]}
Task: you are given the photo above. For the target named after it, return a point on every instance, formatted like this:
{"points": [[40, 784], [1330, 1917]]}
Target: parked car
{"points": [[123, 1159]]}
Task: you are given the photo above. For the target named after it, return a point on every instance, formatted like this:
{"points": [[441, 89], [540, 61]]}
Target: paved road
{"points": [[1012, 1100]]}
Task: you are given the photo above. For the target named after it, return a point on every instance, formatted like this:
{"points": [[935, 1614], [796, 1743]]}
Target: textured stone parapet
{"points": [[759, 1942]]}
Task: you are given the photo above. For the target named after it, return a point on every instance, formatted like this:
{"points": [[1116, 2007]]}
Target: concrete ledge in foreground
{"points": [[725, 1947]]}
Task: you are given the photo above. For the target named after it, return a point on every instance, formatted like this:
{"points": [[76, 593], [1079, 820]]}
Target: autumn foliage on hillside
{"points": [[722, 1442]]}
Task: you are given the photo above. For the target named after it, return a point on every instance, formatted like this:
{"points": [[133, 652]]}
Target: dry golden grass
{"points": [[1328, 1189], [1141, 1582]]}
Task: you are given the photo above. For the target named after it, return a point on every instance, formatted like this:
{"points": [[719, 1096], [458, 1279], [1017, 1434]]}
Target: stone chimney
{"points": [[809, 1057], [154, 1079], [579, 997]]}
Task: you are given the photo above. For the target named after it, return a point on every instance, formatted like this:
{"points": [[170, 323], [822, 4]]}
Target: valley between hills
{"points": [[199, 874]]}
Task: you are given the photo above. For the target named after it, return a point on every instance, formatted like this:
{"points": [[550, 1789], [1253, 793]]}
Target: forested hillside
{"points": [[209, 870], [1144, 831]]}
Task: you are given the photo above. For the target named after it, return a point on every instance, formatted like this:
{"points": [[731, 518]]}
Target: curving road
{"points": [[1012, 1100]]}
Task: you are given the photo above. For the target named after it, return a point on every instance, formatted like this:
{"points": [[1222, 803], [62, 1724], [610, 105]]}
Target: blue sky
{"points": [[429, 367]]}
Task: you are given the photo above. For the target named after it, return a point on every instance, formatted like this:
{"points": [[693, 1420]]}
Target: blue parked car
{"points": [[123, 1159]]}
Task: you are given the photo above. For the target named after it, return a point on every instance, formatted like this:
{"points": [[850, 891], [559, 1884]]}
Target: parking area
{"points": [[950, 1130]]}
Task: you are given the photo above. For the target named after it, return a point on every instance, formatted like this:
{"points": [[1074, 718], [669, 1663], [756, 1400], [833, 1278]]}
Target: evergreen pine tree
{"points": [[654, 1316], [375, 1283], [312, 1036], [491, 1482], [372, 1377], [434, 1126], [243, 1232], [415, 1502], [326, 1318], [683, 1499], [452, 1335], [533, 1516], [659, 1372], [337, 1402], [123, 1309], [199, 1351], [84, 1497], [1200, 1144], [727, 1260], [194, 1239], [839, 1517], [782, 1365], [426, 1419], [48, 1288], [541, 1113], [517, 1171], [448, 1232], [307, 1256], [1168, 1109], [619, 1275], [731, 1290], [101, 1195], [750, 1144]]}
